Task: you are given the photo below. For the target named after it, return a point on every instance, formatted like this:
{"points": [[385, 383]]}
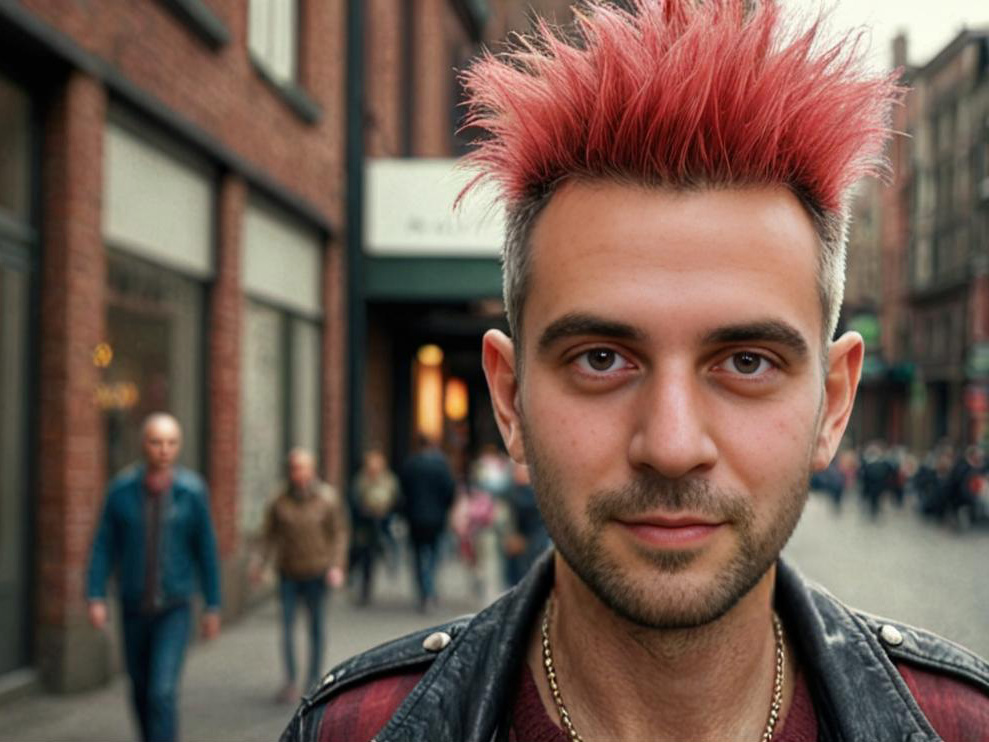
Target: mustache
{"points": [[652, 492]]}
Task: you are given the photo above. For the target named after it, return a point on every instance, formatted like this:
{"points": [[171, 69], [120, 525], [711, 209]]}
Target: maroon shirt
{"points": [[956, 710]]}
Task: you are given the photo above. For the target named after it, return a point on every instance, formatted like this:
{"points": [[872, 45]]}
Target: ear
{"points": [[498, 358], [841, 382]]}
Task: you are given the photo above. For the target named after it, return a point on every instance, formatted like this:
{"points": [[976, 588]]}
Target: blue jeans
{"points": [[313, 593], [425, 549], [154, 648]]}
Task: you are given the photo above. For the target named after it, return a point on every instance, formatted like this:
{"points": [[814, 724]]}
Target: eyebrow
{"points": [[578, 324], [767, 331]]}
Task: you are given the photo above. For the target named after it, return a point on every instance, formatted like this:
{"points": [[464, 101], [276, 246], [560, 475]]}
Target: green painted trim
{"points": [[431, 279]]}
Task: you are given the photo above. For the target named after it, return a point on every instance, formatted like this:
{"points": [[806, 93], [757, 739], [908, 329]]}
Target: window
{"points": [[18, 249], [159, 259], [280, 400], [152, 357], [281, 351], [15, 152], [272, 37]]}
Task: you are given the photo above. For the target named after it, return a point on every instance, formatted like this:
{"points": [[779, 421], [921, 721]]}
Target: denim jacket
{"points": [[187, 554], [471, 669]]}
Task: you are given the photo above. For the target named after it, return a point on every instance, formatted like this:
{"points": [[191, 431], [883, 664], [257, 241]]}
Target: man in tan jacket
{"points": [[306, 530]]}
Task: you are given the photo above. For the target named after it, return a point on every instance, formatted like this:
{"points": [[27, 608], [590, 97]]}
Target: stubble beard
{"points": [[660, 601]]}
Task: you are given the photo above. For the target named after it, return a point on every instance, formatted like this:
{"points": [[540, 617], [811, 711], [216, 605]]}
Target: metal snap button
{"points": [[891, 635], [436, 641]]}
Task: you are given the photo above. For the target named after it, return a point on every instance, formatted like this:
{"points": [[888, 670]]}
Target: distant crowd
{"points": [[947, 484]]}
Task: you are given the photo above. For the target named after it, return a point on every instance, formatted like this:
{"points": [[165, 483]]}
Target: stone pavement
{"points": [[229, 685], [899, 566]]}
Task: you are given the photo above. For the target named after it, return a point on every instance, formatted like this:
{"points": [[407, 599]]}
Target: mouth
{"points": [[678, 531]]}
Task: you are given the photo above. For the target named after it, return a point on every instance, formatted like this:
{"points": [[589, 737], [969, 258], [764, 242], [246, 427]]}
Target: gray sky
{"points": [[930, 25]]}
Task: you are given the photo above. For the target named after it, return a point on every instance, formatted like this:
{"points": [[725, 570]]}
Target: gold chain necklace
{"points": [[574, 735]]}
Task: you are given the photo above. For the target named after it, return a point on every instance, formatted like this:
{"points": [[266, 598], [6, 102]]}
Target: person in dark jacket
{"points": [[428, 491], [677, 179], [155, 532]]}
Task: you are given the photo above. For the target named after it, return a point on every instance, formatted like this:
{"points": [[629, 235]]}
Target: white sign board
{"points": [[282, 258], [409, 211], [156, 205]]}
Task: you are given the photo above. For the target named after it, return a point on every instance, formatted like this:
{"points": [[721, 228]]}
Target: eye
{"points": [[601, 361], [747, 363]]}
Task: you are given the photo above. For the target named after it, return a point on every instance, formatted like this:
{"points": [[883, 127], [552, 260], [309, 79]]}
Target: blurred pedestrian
{"points": [[964, 487], [375, 494], [876, 476], [155, 532], [428, 490], [306, 532], [471, 519], [526, 537]]}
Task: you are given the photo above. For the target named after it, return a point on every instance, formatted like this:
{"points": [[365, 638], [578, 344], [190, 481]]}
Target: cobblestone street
{"points": [[899, 566]]}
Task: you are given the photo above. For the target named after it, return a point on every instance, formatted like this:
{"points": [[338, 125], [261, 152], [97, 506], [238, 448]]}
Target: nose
{"points": [[672, 435]]}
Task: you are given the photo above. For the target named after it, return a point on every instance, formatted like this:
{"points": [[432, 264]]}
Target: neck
{"points": [[622, 681], [157, 472]]}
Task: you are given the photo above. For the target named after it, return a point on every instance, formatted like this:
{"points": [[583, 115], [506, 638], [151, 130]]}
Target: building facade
{"points": [[948, 243], [431, 278], [171, 202], [919, 259]]}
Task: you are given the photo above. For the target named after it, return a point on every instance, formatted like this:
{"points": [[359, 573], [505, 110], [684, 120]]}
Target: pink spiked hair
{"points": [[680, 93]]}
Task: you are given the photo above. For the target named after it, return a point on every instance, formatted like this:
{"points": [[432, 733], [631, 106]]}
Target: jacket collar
{"points": [[858, 693]]}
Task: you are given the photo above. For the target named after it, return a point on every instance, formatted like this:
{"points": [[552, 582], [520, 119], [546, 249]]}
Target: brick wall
{"points": [[225, 326], [70, 474], [221, 91]]}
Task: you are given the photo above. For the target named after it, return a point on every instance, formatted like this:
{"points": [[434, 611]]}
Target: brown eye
{"points": [[601, 359], [746, 363]]}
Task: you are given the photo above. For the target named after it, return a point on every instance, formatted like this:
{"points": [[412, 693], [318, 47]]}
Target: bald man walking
{"points": [[306, 533], [155, 532]]}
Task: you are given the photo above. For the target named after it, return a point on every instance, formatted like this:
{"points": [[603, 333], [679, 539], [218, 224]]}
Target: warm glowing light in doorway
{"points": [[455, 401], [430, 355], [429, 391]]}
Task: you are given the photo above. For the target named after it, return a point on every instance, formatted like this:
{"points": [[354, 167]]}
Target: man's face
{"points": [[374, 463], [162, 443], [300, 469], [672, 395]]}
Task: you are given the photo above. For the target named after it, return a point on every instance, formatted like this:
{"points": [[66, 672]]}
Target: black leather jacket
{"points": [[467, 690]]}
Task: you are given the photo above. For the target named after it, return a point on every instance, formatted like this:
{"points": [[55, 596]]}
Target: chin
{"points": [[670, 590]]}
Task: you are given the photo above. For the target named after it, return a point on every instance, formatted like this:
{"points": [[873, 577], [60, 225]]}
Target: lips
{"points": [[671, 531]]}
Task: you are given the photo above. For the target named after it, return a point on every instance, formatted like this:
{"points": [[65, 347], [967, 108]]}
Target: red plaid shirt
{"points": [[956, 710]]}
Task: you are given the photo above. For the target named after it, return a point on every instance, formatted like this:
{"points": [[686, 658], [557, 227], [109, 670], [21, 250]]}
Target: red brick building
{"points": [[171, 210], [173, 235]]}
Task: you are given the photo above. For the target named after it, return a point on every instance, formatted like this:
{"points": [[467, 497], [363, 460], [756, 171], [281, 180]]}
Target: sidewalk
{"points": [[229, 685]]}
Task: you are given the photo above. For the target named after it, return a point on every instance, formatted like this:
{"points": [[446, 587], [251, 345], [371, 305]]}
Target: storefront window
{"points": [[263, 408], [15, 151], [13, 454], [152, 358], [280, 400]]}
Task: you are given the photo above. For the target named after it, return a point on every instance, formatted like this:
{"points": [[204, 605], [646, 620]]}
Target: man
{"points": [[375, 495], [428, 490], [306, 531], [677, 183], [156, 533], [526, 538]]}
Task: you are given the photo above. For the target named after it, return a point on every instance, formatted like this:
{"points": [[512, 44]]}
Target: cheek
{"points": [[769, 448], [583, 437]]}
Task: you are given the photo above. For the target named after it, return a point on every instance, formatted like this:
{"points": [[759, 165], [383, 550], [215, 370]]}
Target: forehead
{"points": [[162, 427], [674, 261]]}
